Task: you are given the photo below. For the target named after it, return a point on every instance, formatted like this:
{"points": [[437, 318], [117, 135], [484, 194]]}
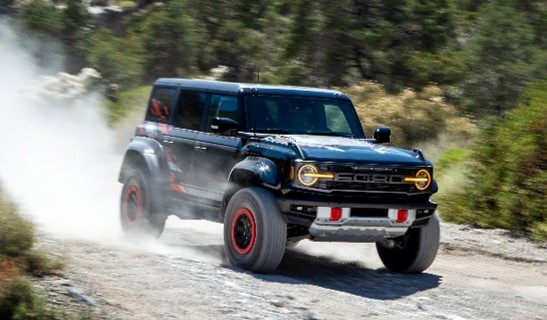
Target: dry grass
{"points": [[9, 270], [418, 119]]}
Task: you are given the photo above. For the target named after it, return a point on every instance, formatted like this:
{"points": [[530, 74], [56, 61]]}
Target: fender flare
{"points": [[264, 170], [251, 171], [143, 153]]}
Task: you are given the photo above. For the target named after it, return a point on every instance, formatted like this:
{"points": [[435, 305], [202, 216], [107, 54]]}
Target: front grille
{"points": [[366, 179]]}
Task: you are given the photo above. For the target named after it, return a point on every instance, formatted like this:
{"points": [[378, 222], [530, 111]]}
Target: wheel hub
{"points": [[243, 231], [133, 204]]}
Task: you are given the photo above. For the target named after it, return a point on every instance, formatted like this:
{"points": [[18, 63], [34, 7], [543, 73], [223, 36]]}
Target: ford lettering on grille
{"points": [[369, 178]]}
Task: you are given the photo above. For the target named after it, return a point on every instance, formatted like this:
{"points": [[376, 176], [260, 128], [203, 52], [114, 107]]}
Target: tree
{"points": [[106, 53], [503, 58], [169, 42], [350, 40], [240, 49]]}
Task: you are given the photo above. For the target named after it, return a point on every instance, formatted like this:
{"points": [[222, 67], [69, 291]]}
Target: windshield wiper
{"points": [[326, 133], [272, 131]]}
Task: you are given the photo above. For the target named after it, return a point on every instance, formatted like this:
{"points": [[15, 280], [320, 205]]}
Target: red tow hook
{"points": [[402, 215], [335, 214]]}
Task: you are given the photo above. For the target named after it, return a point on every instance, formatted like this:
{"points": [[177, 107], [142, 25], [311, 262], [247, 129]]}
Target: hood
{"points": [[340, 149]]}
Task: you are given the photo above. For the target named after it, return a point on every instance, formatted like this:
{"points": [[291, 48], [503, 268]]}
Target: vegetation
{"points": [[18, 298], [417, 119], [505, 175], [126, 101], [430, 69]]}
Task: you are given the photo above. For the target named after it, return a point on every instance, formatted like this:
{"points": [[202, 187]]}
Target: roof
{"points": [[234, 87]]}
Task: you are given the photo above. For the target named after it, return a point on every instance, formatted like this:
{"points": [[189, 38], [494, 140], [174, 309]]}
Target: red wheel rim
{"points": [[243, 231], [132, 208]]}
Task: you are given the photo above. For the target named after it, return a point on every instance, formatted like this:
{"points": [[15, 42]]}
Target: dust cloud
{"points": [[56, 153], [59, 160]]}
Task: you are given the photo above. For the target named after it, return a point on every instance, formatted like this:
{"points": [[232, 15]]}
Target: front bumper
{"points": [[359, 222]]}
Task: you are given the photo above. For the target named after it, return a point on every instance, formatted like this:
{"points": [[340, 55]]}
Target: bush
{"points": [[116, 60], [17, 256], [506, 181], [19, 300], [39, 263], [16, 234], [416, 118], [39, 15], [126, 101]]}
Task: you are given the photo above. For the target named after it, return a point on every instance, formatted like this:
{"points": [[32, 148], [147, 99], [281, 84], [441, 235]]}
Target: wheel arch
{"points": [[143, 155], [252, 171]]}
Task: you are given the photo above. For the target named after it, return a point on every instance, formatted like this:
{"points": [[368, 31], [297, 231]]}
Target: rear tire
{"points": [[415, 251], [139, 209], [255, 234]]}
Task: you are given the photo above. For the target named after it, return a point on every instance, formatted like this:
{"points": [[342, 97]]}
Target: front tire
{"points": [[415, 251], [139, 210], [255, 234]]}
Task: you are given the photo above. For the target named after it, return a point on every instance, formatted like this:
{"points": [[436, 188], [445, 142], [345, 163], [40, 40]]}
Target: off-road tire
{"points": [[255, 234], [415, 251], [140, 211]]}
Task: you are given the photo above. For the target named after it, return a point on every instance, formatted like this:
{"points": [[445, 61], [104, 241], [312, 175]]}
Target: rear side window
{"points": [[160, 105], [190, 109]]}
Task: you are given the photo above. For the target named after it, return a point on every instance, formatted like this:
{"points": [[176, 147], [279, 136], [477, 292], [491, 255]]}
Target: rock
{"points": [[64, 85], [76, 293]]}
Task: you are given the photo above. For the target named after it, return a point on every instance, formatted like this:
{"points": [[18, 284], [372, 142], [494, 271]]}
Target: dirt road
{"points": [[477, 275]]}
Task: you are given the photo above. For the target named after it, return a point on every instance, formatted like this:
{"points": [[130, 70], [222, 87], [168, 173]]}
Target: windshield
{"points": [[302, 115]]}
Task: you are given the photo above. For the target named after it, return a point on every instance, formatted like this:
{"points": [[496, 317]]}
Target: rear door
{"points": [[181, 138]]}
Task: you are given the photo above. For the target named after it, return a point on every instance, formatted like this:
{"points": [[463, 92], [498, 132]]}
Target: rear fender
{"points": [[144, 154]]}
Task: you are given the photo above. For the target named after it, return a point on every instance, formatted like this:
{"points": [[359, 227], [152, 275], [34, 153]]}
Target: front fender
{"points": [[256, 170], [252, 171]]}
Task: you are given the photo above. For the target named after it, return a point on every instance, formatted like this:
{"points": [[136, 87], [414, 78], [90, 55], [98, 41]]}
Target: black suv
{"points": [[276, 164]]}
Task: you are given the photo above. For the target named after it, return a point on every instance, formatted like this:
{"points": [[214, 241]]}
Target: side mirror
{"points": [[224, 126], [382, 134]]}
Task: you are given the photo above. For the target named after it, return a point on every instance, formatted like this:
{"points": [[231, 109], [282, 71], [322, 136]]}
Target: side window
{"points": [[190, 109], [222, 106], [160, 105]]}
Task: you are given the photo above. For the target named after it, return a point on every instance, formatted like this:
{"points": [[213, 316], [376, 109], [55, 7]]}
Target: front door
{"points": [[215, 154]]}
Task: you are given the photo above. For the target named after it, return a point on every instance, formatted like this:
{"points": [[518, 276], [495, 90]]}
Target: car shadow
{"points": [[349, 277]]}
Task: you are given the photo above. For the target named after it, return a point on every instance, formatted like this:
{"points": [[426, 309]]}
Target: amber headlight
{"points": [[308, 175], [422, 180]]}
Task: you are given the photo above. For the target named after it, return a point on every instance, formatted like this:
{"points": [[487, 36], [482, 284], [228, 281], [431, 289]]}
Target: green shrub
{"points": [[117, 60], [126, 101], [39, 15], [20, 301], [16, 234], [506, 183], [450, 158], [39, 263], [17, 240]]}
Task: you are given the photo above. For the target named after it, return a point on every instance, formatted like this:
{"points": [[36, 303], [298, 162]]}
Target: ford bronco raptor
{"points": [[276, 164]]}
